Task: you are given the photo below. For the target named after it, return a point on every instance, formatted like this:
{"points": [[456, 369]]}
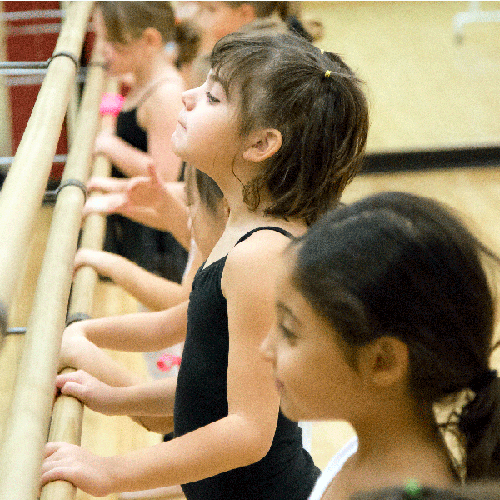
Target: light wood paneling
{"points": [[425, 91]]}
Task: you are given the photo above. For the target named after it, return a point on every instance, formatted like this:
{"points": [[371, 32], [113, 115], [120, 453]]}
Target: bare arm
{"points": [[165, 205], [158, 116], [241, 438], [147, 200], [150, 398], [154, 292], [131, 161], [137, 332]]}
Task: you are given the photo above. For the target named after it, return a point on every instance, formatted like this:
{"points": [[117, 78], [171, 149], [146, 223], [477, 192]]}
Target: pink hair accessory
{"points": [[167, 361], [111, 104]]}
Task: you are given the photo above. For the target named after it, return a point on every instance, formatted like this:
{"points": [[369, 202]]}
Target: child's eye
{"points": [[287, 334], [211, 98]]}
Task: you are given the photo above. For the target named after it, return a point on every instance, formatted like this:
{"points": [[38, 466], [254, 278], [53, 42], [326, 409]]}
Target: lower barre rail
{"points": [[67, 414]]}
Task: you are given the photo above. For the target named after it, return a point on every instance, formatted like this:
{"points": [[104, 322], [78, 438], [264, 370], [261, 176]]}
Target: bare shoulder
{"points": [[254, 261]]}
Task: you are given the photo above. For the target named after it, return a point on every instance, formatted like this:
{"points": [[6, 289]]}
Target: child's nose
{"points": [[267, 347], [188, 99]]}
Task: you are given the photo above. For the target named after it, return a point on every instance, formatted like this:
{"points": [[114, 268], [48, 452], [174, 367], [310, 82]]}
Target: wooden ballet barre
{"points": [[24, 187], [67, 414], [27, 427]]}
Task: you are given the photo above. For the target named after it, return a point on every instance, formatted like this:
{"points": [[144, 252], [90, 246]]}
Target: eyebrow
{"points": [[285, 309], [215, 78]]}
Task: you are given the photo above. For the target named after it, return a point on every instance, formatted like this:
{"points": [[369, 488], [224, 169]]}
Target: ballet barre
{"points": [[27, 427], [24, 187]]}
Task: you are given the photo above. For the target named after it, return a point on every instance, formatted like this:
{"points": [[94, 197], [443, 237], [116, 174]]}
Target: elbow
{"points": [[257, 446]]}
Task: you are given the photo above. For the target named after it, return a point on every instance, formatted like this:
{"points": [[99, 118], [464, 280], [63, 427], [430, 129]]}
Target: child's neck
{"points": [[243, 218], [392, 449]]}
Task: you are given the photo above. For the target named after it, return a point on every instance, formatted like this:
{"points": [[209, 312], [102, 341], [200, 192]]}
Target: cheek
{"points": [[308, 388]]}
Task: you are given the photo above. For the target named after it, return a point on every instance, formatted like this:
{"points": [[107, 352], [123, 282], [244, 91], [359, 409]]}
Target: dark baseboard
{"points": [[404, 161], [394, 161]]}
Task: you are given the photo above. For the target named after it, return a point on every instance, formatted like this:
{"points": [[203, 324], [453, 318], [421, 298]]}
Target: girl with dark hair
{"points": [[483, 490], [384, 311], [281, 128]]}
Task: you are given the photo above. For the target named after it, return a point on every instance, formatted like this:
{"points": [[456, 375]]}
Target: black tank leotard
{"points": [[156, 251], [287, 472]]}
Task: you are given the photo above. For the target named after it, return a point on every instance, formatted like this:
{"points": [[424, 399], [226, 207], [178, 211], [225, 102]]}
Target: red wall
{"points": [[30, 47]]}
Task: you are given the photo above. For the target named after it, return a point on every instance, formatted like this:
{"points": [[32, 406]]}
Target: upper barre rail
{"points": [[24, 187], [32, 400]]}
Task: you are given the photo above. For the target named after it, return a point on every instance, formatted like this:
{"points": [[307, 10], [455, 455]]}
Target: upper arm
{"points": [[249, 286], [159, 117]]}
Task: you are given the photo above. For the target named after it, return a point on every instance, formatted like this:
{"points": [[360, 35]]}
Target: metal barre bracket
{"points": [[79, 316], [6, 65], [16, 330], [72, 182], [63, 54]]}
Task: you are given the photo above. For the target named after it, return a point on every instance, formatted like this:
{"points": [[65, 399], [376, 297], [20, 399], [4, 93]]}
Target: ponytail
{"points": [[480, 426]]}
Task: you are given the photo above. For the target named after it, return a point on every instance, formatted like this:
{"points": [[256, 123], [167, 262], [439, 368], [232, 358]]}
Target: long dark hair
{"points": [[479, 491], [314, 100], [395, 264]]}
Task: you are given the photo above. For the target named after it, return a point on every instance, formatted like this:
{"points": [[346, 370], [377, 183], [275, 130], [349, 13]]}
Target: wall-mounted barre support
{"points": [[3, 319]]}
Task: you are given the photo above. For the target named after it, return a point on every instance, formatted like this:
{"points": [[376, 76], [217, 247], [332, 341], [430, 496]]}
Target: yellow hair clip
{"points": [[327, 73]]}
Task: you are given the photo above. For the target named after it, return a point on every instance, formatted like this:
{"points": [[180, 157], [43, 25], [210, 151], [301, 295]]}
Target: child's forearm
{"points": [[149, 403], [163, 208], [152, 291], [218, 447], [79, 353], [131, 161], [161, 425], [138, 332], [152, 398]]}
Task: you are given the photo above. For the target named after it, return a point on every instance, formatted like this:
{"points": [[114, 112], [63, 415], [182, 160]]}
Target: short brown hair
{"points": [[126, 20], [314, 100]]}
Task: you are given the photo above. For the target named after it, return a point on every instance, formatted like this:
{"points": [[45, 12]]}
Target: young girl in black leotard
{"points": [[281, 127], [135, 36]]}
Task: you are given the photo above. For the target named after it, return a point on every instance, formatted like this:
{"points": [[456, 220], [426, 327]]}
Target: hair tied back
{"points": [[483, 381]]}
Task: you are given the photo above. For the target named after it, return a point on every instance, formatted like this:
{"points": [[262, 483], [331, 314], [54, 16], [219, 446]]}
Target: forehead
{"points": [[214, 7]]}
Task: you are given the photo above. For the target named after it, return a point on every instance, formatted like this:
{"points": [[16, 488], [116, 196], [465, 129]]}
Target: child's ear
{"points": [[152, 37], [247, 12], [384, 362], [262, 144]]}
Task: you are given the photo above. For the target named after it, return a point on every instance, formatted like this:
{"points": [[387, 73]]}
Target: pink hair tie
{"points": [[167, 361], [111, 104]]}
